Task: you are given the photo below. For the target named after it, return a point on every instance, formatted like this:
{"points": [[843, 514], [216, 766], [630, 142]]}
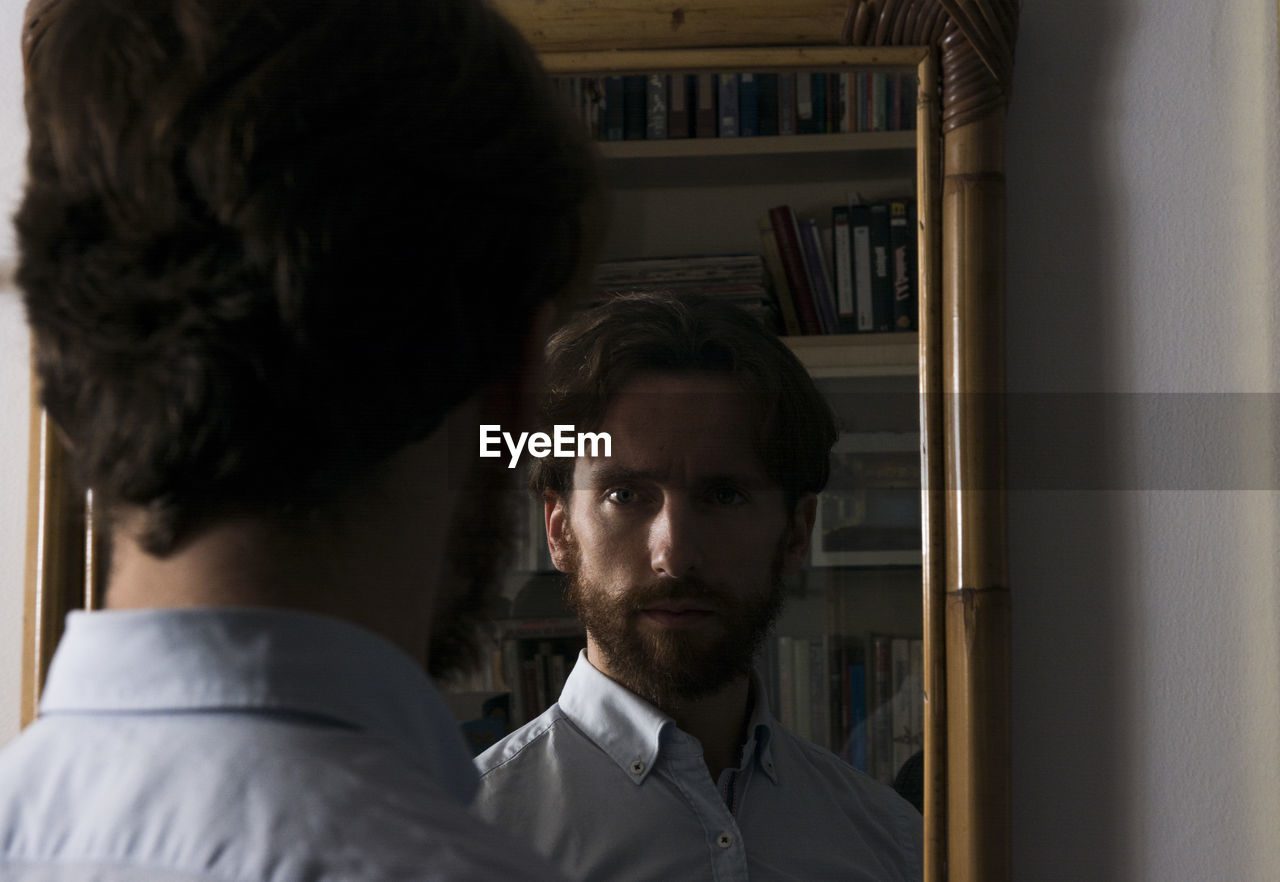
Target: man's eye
{"points": [[621, 496], [727, 496]]}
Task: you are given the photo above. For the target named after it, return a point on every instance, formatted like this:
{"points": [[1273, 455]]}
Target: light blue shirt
{"points": [[610, 789], [238, 745]]}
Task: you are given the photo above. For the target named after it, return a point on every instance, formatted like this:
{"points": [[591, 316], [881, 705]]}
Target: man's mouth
{"points": [[678, 613]]}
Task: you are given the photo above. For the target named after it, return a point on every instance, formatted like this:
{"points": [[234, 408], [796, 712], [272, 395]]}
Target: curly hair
{"points": [[264, 244], [596, 356]]}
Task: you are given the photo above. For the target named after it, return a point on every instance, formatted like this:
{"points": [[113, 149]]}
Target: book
{"points": [[880, 710], [842, 102], [881, 273], [787, 232], [819, 277], [681, 96], [781, 290], [819, 693], [903, 257], [748, 108], [704, 120], [727, 115], [786, 683], [842, 269], [818, 94], [657, 87], [860, 260], [613, 123], [900, 656], [766, 104], [634, 110], [804, 105], [800, 673], [786, 104]]}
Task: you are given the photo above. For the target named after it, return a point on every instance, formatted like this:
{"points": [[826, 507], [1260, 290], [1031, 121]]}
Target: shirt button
{"points": [[724, 840], [637, 768]]}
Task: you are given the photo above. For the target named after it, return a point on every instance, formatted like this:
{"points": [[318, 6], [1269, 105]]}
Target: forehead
{"points": [[681, 425]]}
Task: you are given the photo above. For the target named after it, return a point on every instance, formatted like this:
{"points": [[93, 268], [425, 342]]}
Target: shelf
{"points": [[767, 146], [786, 160], [858, 355]]}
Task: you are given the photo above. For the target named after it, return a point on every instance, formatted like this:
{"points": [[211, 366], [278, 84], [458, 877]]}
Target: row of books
{"points": [[661, 106], [535, 659], [861, 276], [863, 700]]}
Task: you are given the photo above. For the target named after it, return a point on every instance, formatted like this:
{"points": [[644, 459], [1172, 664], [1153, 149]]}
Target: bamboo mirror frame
{"points": [[963, 50]]}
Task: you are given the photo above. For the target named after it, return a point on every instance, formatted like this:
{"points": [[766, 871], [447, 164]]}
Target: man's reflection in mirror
{"points": [[662, 759]]}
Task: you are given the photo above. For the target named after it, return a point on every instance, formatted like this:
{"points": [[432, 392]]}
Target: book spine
{"points": [[657, 87], [818, 89], [804, 104], [842, 99], [513, 675], [881, 272], [858, 714], [727, 95], [816, 264], [907, 314], [901, 660], [682, 87], [786, 104], [767, 104], [634, 112], [705, 116], [916, 681], [879, 102], [786, 684], [614, 120], [787, 232], [842, 254], [802, 687], [819, 693], [860, 100], [860, 235], [748, 109], [880, 744], [781, 290], [903, 256]]}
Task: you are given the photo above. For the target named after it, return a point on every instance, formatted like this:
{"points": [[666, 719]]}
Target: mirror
{"points": [[962, 55]]}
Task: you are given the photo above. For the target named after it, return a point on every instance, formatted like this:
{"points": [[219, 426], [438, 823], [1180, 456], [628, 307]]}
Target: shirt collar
{"points": [[633, 732], [257, 660]]}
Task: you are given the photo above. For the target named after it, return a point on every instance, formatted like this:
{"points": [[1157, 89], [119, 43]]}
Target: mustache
{"points": [[689, 588]]}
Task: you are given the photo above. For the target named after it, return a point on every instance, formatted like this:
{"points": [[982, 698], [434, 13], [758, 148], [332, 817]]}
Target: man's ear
{"points": [[556, 517], [796, 547]]}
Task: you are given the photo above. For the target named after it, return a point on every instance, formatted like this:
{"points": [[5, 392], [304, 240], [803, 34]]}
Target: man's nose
{"points": [[674, 547]]}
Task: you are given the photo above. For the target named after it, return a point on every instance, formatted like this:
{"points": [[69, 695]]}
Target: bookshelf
{"points": [[964, 54]]}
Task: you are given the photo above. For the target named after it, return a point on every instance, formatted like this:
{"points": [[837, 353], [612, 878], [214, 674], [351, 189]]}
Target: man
{"points": [[279, 259], [661, 759]]}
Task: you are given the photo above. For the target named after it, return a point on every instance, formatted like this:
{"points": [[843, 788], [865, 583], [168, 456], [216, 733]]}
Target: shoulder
{"points": [[865, 802], [198, 797], [534, 742]]}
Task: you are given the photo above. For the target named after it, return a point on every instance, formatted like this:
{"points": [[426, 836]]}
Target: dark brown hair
{"points": [[597, 355], [264, 244]]}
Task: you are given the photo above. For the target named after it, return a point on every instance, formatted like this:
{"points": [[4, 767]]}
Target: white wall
{"points": [[1144, 207], [14, 391], [1143, 217]]}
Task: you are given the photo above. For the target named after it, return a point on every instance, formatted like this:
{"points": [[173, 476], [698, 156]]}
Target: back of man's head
{"points": [[267, 243], [598, 354]]}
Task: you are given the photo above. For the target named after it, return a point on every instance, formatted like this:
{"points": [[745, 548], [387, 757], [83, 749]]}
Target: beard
{"points": [[479, 549], [671, 667]]}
